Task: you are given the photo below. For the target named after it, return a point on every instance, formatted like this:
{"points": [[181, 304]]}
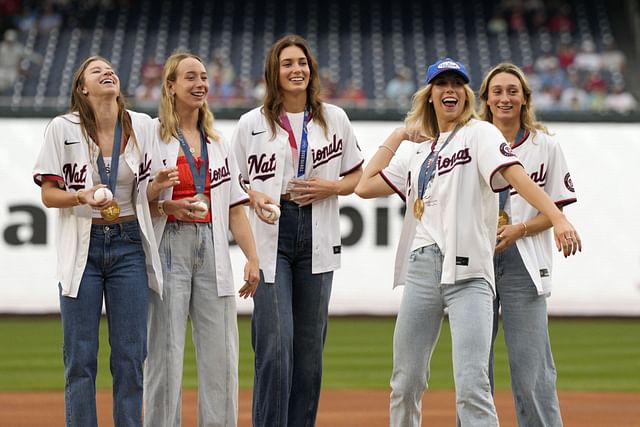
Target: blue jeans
{"points": [[289, 326], [116, 270], [524, 321], [417, 330], [190, 290]]}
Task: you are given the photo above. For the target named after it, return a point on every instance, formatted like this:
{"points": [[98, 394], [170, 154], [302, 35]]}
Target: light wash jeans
{"points": [[524, 321], [116, 270], [289, 326], [190, 290], [417, 329]]}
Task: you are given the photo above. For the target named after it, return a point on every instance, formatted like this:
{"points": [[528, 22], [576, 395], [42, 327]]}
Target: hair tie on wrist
{"points": [[388, 148]]}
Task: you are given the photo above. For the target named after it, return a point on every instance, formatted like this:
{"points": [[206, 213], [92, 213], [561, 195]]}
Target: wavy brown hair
{"points": [[273, 107], [169, 120], [423, 115], [528, 119], [80, 103]]}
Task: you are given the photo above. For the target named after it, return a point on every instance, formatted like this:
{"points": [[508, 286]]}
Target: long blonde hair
{"points": [[528, 119], [169, 120], [273, 100], [422, 115], [80, 104]]}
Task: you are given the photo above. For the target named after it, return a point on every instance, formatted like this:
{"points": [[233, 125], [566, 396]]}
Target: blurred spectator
{"points": [[259, 90], [517, 22], [587, 58], [613, 59], [352, 94], [149, 90], [152, 69], [566, 55], [620, 100], [560, 20], [596, 99], [548, 99], [221, 76], [27, 19], [11, 54], [595, 82], [497, 24], [554, 77], [400, 89], [574, 99], [8, 10], [547, 61], [329, 85], [50, 18]]}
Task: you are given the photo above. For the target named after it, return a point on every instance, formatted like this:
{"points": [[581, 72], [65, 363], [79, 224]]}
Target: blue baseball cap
{"points": [[446, 64]]}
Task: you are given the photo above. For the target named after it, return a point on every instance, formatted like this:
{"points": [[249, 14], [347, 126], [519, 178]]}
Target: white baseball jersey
{"points": [[226, 192], [461, 211], [65, 157], [261, 159], [544, 161]]}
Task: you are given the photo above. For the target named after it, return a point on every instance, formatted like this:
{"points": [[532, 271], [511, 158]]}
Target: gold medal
{"points": [[418, 208], [111, 212], [503, 218]]}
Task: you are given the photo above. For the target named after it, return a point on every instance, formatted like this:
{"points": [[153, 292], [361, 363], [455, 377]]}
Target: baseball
{"points": [[200, 209], [272, 212], [102, 194]]}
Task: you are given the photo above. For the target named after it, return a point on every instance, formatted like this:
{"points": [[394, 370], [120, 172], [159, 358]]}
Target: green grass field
{"points": [[590, 354]]}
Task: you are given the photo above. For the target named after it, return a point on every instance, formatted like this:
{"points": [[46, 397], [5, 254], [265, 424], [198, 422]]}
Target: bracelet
{"points": [[78, 201], [161, 208], [388, 148], [525, 229]]}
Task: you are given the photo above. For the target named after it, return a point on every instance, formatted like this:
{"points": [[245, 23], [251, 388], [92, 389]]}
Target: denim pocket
{"points": [[132, 235], [413, 255]]}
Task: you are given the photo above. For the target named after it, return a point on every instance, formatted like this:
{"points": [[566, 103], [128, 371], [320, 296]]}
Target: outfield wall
{"points": [[603, 280]]}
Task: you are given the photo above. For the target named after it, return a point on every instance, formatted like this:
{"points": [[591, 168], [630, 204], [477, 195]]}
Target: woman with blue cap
{"points": [[449, 174]]}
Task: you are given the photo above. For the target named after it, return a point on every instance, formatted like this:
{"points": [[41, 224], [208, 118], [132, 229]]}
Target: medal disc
{"points": [[503, 218], [418, 208], [111, 212]]}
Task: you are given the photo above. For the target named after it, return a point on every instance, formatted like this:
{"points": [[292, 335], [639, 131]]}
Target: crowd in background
{"points": [[568, 75]]}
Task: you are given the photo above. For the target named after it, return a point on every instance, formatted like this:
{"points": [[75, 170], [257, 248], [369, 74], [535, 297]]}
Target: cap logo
{"points": [[449, 65]]}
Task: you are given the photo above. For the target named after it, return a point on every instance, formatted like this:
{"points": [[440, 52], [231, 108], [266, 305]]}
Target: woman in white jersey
{"points": [[300, 153], [101, 241], [191, 221], [523, 256], [446, 247]]}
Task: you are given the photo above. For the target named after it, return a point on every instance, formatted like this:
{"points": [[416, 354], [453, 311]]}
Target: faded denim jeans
{"points": [[190, 291], [116, 271], [524, 321], [417, 330]]}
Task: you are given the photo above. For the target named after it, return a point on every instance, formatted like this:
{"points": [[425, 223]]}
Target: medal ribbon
{"points": [[110, 179], [302, 160], [504, 194], [199, 175], [429, 165]]}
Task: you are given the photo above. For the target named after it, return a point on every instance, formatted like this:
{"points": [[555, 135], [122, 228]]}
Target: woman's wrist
{"points": [[79, 198], [160, 207]]}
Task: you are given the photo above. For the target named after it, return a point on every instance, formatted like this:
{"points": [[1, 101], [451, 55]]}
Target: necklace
{"points": [[193, 150]]}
